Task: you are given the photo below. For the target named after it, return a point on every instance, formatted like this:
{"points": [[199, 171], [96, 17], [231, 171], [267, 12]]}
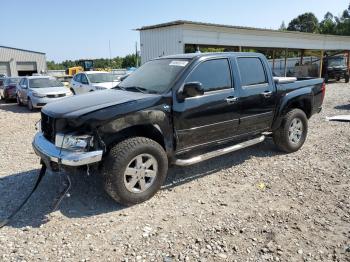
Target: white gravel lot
{"points": [[253, 205]]}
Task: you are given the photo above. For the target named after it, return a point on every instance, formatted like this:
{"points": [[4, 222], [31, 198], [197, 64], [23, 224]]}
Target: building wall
{"points": [[13, 56], [160, 42]]}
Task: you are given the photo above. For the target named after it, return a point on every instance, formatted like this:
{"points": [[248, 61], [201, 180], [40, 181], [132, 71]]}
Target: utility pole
{"points": [[110, 54], [137, 57]]}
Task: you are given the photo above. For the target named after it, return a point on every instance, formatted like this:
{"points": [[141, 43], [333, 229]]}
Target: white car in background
{"points": [[89, 81], [37, 91]]}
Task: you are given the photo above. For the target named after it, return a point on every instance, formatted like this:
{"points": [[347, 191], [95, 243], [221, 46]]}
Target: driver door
{"points": [[212, 117], [85, 87]]}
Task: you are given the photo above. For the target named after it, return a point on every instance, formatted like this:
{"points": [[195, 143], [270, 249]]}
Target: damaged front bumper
{"points": [[50, 154]]}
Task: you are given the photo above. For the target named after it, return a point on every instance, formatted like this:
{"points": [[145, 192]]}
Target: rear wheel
{"points": [[134, 170], [346, 78], [292, 133]]}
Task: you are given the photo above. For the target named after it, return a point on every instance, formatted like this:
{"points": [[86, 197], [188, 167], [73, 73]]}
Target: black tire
{"points": [[19, 101], [346, 78], [72, 90], [30, 105], [119, 158], [281, 136]]}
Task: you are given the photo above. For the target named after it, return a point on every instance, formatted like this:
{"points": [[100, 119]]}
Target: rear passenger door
{"points": [[211, 117], [257, 95]]}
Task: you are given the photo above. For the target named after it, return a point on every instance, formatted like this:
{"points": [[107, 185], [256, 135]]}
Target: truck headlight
{"points": [[73, 142], [38, 95]]}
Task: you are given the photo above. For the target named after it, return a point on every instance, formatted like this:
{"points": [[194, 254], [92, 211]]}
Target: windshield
{"points": [[155, 76], [44, 83], [336, 61], [100, 78], [10, 81]]}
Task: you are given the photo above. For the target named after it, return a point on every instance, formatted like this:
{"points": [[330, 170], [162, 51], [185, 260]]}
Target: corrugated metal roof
{"points": [[24, 50], [186, 22]]}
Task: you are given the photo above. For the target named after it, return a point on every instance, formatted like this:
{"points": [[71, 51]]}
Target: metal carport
{"points": [[173, 38]]}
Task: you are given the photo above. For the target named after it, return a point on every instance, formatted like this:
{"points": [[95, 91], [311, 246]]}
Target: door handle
{"points": [[267, 94], [231, 99]]}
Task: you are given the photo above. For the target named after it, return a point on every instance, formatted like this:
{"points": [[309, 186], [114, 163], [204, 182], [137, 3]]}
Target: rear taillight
{"points": [[323, 89]]}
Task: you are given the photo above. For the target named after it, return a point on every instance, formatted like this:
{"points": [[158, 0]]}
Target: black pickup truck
{"points": [[176, 110]]}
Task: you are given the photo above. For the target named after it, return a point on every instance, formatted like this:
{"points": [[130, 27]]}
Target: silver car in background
{"points": [[37, 91]]}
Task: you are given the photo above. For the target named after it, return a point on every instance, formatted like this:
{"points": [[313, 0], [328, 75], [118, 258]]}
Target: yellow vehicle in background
{"points": [[84, 65]]}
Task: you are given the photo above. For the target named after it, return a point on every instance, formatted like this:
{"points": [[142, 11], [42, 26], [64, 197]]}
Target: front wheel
{"points": [[134, 170], [30, 105], [292, 133], [347, 78], [19, 102]]}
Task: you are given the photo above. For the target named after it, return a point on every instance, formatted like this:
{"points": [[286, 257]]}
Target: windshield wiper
{"points": [[118, 87]]}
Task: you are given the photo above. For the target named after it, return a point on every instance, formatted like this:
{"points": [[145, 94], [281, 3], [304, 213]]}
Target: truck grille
{"points": [[48, 127]]}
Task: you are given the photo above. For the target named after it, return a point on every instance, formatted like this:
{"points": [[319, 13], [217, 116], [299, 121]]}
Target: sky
{"points": [[67, 29]]}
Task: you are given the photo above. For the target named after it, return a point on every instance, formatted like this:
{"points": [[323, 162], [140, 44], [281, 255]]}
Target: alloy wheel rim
{"points": [[140, 173], [295, 131]]}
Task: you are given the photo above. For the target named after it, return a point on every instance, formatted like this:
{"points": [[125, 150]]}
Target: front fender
{"points": [[155, 117]]}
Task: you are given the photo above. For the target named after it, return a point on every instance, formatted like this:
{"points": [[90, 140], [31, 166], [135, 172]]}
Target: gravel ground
{"points": [[253, 205]]}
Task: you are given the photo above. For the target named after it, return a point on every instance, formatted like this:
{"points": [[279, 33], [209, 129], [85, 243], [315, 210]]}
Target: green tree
{"points": [[307, 22], [51, 65], [343, 23], [283, 27], [130, 61], [328, 25]]}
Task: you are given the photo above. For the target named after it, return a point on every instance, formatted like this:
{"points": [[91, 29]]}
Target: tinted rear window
{"points": [[251, 70]]}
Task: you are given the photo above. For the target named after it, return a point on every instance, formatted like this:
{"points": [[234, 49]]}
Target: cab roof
{"points": [[218, 54]]}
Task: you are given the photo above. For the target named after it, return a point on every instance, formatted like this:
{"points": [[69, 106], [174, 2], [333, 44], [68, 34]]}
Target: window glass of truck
{"points": [[213, 75], [155, 76], [251, 71]]}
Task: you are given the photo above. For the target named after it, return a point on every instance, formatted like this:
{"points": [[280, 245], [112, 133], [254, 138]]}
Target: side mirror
{"points": [[192, 89], [24, 86]]}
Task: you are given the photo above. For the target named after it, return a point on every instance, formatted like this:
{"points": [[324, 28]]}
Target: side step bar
{"points": [[223, 151]]}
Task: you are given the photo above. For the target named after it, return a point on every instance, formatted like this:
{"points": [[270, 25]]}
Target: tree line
{"points": [[116, 62], [330, 24]]}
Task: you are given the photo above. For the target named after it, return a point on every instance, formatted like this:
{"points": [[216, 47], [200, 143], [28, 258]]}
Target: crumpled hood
{"points": [[79, 105]]}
